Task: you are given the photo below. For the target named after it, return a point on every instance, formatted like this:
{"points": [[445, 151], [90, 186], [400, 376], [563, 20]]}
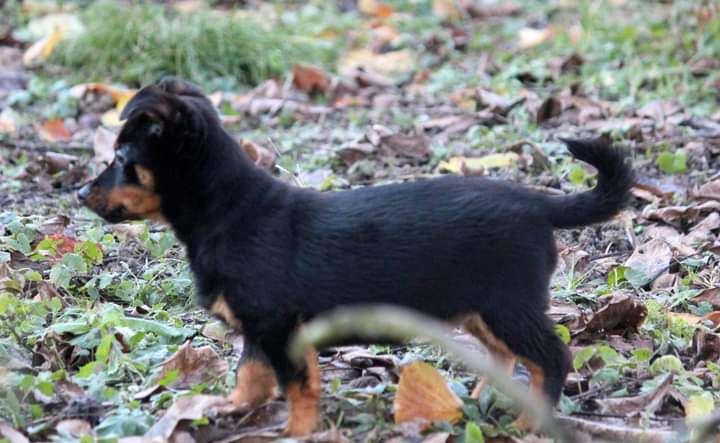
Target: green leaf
{"points": [[141, 324], [616, 276], [642, 354], [673, 163], [87, 370], [582, 357], [577, 175], [169, 377], [33, 276], [103, 350], [699, 406], [666, 363], [473, 433], [91, 251], [563, 332], [46, 388]]}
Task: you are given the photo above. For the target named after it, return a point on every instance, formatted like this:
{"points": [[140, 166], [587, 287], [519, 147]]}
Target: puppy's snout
{"points": [[84, 192]]}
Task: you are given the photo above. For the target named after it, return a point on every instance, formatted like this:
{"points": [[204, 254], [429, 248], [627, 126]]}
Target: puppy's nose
{"points": [[84, 192]]}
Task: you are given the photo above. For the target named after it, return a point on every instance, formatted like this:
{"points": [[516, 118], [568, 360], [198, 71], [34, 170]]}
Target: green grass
{"points": [[141, 43]]}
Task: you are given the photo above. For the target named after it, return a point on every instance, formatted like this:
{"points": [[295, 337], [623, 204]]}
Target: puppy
{"points": [[267, 256]]}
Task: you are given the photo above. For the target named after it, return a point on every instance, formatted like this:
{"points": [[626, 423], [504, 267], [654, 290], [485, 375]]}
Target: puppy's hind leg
{"points": [[255, 378], [475, 325], [530, 335]]}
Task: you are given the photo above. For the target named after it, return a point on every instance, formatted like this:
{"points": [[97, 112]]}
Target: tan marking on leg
{"points": [[475, 325], [221, 308], [255, 384], [537, 381], [304, 399]]}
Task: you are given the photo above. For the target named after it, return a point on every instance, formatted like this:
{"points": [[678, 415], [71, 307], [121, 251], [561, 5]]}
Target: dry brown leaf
{"points": [[103, 146], [262, 157], [423, 394], [709, 295], [310, 79], [54, 131], [54, 225], [649, 260], [481, 10], [706, 345], [622, 313], [477, 165], [550, 107], [393, 63], [41, 49], [446, 9], [708, 191], [195, 366], [74, 427], [375, 8], [185, 408], [414, 146], [646, 403], [531, 37], [659, 110], [11, 434]]}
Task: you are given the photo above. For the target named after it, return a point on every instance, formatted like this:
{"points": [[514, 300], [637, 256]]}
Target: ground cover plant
{"points": [[99, 336]]}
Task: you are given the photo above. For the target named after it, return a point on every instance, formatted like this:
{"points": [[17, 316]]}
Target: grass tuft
{"points": [[139, 44]]}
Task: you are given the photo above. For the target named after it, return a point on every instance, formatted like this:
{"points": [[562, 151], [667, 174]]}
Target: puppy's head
{"points": [[165, 126]]}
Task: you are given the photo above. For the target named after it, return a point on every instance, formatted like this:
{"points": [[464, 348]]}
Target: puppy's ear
{"points": [[178, 86], [156, 105]]}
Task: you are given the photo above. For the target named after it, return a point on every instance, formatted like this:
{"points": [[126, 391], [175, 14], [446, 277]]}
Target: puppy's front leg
{"points": [[303, 394], [301, 386], [255, 378]]}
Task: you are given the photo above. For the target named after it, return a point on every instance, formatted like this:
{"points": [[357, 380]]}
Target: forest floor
{"points": [[99, 332]]}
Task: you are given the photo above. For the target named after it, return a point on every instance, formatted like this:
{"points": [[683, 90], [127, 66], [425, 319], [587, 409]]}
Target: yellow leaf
{"points": [[446, 9], [423, 394], [699, 406], [477, 164], [388, 63], [41, 49], [531, 37], [111, 118], [374, 8]]}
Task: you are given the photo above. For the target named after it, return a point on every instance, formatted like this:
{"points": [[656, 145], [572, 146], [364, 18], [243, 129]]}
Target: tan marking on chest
{"points": [[221, 309]]}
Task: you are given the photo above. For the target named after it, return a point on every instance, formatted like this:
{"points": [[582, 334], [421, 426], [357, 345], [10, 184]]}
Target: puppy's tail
{"points": [[615, 179]]}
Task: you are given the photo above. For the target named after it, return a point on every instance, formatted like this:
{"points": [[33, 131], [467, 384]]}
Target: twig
{"points": [[40, 147], [395, 323], [294, 176]]}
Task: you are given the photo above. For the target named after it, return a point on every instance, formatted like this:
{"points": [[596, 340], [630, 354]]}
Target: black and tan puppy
{"points": [[267, 256]]}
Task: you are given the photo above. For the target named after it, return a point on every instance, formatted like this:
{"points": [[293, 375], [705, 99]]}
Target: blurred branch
{"points": [[386, 322]]}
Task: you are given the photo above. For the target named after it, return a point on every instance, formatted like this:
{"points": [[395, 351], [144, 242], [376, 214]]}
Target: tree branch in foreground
{"points": [[393, 323]]}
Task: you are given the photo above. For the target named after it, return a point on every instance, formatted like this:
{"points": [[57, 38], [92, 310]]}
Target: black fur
{"points": [[281, 255]]}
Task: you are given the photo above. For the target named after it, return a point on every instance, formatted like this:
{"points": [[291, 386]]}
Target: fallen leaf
{"points": [[600, 431], [622, 313], [706, 345], [262, 157], [475, 165], [446, 9], [185, 408], [103, 146], [41, 49], [74, 427], [708, 191], [9, 121], [647, 262], [11, 434], [393, 63], [414, 146], [54, 131], [659, 110], [647, 403], [699, 406], [550, 107], [193, 366], [310, 79], [531, 37], [56, 161], [481, 10], [709, 295], [423, 394], [375, 8]]}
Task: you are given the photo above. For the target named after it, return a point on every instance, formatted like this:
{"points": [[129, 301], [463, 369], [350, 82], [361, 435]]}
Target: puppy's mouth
{"points": [[121, 203]]}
